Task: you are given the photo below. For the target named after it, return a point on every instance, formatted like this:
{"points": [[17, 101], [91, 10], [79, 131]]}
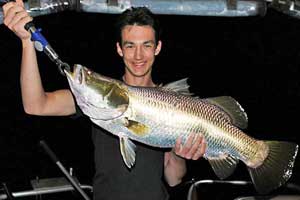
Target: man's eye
{"points": [[129, 46], [148, 46]]}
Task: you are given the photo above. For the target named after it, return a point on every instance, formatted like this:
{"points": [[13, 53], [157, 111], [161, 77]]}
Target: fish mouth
{"points": [[77, 75]]}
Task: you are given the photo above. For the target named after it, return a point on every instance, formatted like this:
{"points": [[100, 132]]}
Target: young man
{"points": [[138, 45]]}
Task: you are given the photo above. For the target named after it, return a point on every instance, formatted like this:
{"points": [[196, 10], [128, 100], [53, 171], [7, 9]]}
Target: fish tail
{"points": [[276, 168]]}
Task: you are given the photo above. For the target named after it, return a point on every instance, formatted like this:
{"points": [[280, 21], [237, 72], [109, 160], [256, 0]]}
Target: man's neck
{"points": [[145, 81]]}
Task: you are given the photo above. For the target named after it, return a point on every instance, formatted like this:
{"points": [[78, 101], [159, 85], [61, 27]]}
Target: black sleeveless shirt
{"points": [[114, 181]]}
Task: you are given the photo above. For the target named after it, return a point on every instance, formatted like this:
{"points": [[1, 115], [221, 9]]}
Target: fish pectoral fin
{"points": [[223, 166], [127, 148], [137, 128], [232, 108]]}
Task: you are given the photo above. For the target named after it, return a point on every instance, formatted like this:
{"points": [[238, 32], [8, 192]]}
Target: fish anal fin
{"points": [[137, 128], [223, 165], [232, 108], [127, 148], [277, 167]]}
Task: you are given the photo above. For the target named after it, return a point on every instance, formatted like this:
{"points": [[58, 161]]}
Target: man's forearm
{"points": [[175, 168], [33, 94]]}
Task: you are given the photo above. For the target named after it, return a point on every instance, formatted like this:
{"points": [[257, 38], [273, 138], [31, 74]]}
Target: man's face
{"points": [[138, 49]]}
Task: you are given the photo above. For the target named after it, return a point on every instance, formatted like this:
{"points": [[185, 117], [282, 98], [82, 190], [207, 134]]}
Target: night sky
{"points": [[254, 59]]}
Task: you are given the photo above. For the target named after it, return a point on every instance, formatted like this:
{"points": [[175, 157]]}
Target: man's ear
{"points": [[119, 49], [158, 48]]}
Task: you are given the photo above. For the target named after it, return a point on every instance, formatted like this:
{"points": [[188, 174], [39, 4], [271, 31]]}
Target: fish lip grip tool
{"points": [[41, 44]]}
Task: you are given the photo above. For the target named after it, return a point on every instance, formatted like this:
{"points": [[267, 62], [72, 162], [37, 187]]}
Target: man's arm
{"points": [[35, 100], [175, 165]]}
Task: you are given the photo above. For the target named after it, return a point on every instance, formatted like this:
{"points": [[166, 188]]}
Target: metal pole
{"points": [[62, 168]]}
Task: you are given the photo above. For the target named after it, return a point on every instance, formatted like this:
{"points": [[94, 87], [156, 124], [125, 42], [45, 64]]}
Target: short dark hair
{"points": [[140, 16]]}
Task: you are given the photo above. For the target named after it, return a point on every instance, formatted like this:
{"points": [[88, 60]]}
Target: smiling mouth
{"points": [[139, 65]]}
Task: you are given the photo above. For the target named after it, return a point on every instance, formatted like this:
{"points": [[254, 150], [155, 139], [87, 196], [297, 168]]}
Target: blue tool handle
{"points": [[41, 44], [29, 25], [36, 36]]}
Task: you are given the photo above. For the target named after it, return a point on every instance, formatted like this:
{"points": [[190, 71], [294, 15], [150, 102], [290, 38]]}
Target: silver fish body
{"points": [[171, 115], [158, 116]]}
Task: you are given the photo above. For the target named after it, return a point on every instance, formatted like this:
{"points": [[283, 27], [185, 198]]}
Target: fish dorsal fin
{"points": [[231, 107], [180, 86], [223, 166], [127, 148]]}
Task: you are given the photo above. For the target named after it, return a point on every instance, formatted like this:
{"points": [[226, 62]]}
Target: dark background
{"points": [[253, 59]]}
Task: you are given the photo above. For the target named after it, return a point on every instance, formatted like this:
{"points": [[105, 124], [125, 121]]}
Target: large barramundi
{"points": [[157, 116]]}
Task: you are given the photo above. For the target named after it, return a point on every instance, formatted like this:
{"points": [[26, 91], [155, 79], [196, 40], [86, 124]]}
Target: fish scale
{"points": [[236, 142], [165, 133], [157, 116]]}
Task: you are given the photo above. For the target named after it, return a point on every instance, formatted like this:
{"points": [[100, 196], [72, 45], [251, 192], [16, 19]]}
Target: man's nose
{"points": [[138, 53]]}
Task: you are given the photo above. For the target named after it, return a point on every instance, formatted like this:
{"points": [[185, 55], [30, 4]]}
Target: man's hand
{"points": [[194, 147], [15, 18]]}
